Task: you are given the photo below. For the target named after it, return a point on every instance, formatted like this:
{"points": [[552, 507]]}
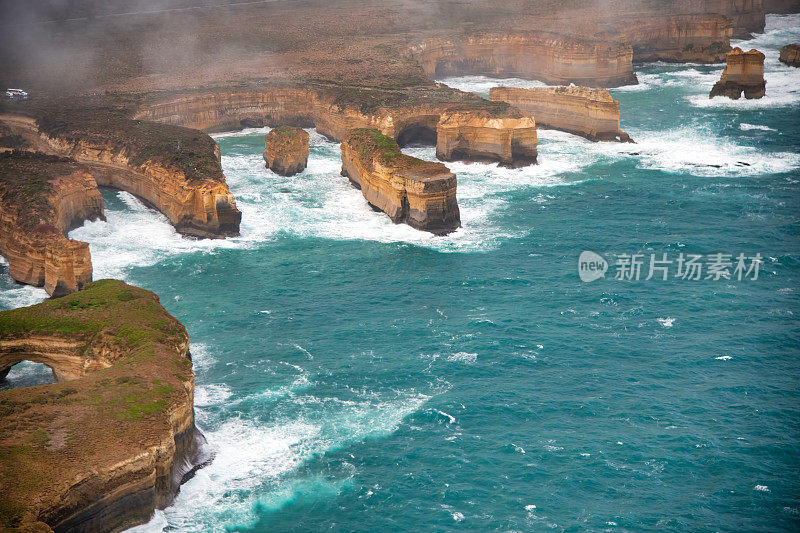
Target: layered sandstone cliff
{"points": [[115, 437], [554, 59], [419, 193], [677, 38], [591, 113], [744, 72], [790, 55], [286, 150], [407, 116], [41, 199], [176, 170], [482, 137]]}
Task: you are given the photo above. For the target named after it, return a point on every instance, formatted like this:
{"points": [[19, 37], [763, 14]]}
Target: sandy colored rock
{"points": [[41, 199], [591, 113], [552, 58], [419, 193], [482, 137], [677, 38], [111, 441], [286, 150], [488, 130], [744, 72], [790, 54]]}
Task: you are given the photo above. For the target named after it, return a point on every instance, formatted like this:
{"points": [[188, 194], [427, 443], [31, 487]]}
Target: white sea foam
{"points": [[464, 357], [750, 127], [482, 84], [253, 458], [16, 296], [666, 322], [724, 358], [761, 488]]}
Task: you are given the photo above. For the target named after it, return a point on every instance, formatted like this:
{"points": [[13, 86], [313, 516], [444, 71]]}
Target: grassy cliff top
{"points": [[372, 143], [182, 149], [25, 184], [53, 434]]}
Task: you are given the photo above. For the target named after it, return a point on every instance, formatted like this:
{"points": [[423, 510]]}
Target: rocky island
{"points": [[744, 72], [41, 199], [114, 438], [790, 55], [591, 113], [419, 193], [286, 150]]}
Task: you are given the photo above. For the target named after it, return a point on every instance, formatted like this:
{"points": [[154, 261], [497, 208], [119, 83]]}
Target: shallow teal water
{"points": [[356, 375]]}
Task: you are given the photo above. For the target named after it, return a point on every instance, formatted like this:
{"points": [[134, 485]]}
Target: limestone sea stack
{"points": [[41, 199], [115, 437], [479, 136], [744, 72], [286, 150], [591, 113], [419, 193], [790, 54]]}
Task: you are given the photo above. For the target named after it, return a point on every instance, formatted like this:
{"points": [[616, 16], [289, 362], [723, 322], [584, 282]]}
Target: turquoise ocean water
{"points": [[355, 375]]}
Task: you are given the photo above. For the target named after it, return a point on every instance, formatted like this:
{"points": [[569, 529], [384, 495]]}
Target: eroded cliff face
{"points": [[554, 59], [591, 113], [429, 115], [744, 72], [790, 55], [286, 150], [41, 199], [679, 38], [481, 137], [419, 193], [98, 451]]}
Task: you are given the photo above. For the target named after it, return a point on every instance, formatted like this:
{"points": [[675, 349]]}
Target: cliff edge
{"points": [[591, 113], [41, 199], [115, 437]]}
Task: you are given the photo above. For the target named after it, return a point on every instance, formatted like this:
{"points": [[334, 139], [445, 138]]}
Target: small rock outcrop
{"points": [[115, 437], [744, 72], [286, 150], [790, 54], [419, 193], [479, 136], [591, 113], [41, 199]]}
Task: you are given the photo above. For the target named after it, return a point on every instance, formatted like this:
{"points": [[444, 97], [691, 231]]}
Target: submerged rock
{"points": [[790, 54], [591, 113], [419, 193], [744, 72], [111, 441], [286, 150]]}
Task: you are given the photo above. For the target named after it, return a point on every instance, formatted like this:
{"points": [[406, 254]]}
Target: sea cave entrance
{"points": [[26, 374], [421, 131]]}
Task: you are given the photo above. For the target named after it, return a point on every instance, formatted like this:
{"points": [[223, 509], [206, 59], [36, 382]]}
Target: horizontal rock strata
{"points": [[419, 193], [286, 150], [405, 116], [111, 441], [176, 170], [41, 199], [678, 38], [482, 137], [790, 54], [554, 59], [744, 72], [591, 113]]}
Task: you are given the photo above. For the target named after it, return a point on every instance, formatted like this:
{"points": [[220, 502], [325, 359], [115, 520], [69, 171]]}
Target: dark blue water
{"points": [[356, 375]]}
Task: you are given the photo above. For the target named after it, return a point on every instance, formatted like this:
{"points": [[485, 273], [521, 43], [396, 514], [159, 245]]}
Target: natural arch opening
{"points": [[417, 134], [26, 374]]}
